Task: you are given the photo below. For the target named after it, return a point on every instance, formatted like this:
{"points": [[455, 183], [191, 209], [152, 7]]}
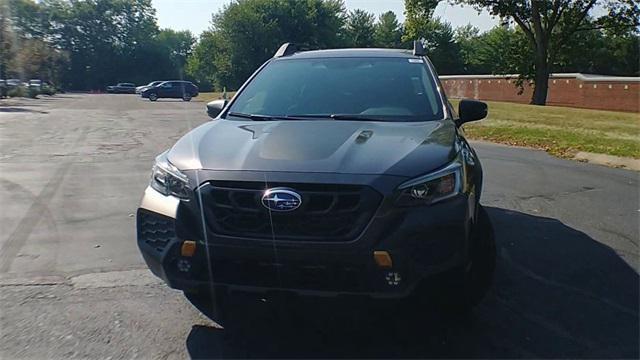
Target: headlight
{"points": [[434, 187], [168, 180]]}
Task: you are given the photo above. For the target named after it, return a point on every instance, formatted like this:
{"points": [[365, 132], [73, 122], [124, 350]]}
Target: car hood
{"points": [[324, 146]]}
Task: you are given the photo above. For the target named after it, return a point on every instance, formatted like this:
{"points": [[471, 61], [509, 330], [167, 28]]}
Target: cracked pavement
{"points": [[73, 285]]}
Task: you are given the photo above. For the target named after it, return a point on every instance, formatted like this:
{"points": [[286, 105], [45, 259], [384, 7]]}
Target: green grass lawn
{"points": [[209, 96], [561, 131]]}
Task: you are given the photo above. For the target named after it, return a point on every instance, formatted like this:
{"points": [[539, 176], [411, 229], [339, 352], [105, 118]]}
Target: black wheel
{"points": [[241, 315], [186, 97], [462, 288], [153, 96], [208, 303], [471, 283]]}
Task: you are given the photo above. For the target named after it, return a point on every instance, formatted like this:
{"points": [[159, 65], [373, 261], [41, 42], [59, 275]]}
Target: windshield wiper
{"points": [[251, 116], [354, 117], [257, 117], [338, 117]]}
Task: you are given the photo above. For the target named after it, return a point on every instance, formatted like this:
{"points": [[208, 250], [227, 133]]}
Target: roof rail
{"points": [[418, 48], [285, 50]]}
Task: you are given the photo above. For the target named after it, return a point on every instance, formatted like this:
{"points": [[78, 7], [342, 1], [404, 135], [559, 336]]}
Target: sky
{"points": [[195, 15]]}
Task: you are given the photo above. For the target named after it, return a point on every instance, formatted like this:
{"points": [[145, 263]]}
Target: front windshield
{"points": [[389, 89]]}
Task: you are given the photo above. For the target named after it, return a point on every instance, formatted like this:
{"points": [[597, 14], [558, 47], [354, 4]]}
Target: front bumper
{"points": [[422, 241]]}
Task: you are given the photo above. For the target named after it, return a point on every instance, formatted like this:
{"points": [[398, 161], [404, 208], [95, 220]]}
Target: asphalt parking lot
{"points": [[73, 285]]}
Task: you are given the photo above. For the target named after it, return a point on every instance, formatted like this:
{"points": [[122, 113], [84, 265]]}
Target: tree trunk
{"points": [[541, 79]]}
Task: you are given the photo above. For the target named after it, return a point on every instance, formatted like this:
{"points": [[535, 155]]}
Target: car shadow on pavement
{"points": [[14, 109], [557, 293]]}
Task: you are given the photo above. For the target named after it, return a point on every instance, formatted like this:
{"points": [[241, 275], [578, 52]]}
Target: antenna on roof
{"points": [[285, 50], [418, 48]]}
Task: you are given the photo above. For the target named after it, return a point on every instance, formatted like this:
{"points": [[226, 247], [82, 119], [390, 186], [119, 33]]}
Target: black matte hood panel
{"points": [[321, 146]]}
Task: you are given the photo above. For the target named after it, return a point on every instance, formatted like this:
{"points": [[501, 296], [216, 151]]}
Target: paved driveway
{"points": [[72, 283]]}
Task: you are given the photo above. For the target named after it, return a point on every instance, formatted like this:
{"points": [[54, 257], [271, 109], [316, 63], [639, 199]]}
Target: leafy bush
{"points": [[17, 91], [33, 93], [48, 90], [22, 91]]}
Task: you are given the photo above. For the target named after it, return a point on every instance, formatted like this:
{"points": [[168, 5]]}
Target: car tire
{"points": [[230, 311], [186, 97], [471, 283], [153, 96], [462, 288], [207, 303]]}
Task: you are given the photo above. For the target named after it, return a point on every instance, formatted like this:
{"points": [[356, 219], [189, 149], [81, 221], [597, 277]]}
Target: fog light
{"points": [[188, 248], [383, 259], [184, 265]]}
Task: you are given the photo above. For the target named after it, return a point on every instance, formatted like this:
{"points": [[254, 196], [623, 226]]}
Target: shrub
{"points": [[33, 93], [48, 90], [17, 91]]}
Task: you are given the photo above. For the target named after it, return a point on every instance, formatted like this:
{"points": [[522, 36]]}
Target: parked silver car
{"points": [[142, 88]]}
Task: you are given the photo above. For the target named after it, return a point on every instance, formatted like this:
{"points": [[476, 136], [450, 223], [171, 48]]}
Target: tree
{"points": [[360, 28], [444, 52], [37, 59], [468, 39], [418, 13], [176, 47], [502, 50], [550, 24], [624, 49], [610, 53], [439, 41], [28, 48], [106, 40], [246, 33], [116, 40], [388, 31], [6, 43], [438, 36], [29, 18], [204, 65]]}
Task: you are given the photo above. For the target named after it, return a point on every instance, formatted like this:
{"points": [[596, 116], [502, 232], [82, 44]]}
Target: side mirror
{"points": [[471, 110], [215, 107]]}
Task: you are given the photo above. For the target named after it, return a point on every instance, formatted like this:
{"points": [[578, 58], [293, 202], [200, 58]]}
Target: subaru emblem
{"points": [[281, 199]]}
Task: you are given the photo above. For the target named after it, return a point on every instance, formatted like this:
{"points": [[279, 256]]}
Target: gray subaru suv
{"points": [[330, 173]]}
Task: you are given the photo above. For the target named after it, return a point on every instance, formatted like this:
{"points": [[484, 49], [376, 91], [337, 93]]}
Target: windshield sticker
{"points": [[416, 61]]}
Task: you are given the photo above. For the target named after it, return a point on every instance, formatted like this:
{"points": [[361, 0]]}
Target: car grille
{"points": [[154, 230], [331, 213]]}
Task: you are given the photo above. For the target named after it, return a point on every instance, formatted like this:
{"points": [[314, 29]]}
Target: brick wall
{"points": [[575, 90]]}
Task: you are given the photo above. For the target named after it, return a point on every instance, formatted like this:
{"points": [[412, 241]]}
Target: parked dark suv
{"points": [[176, 89], [333, 172]]}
